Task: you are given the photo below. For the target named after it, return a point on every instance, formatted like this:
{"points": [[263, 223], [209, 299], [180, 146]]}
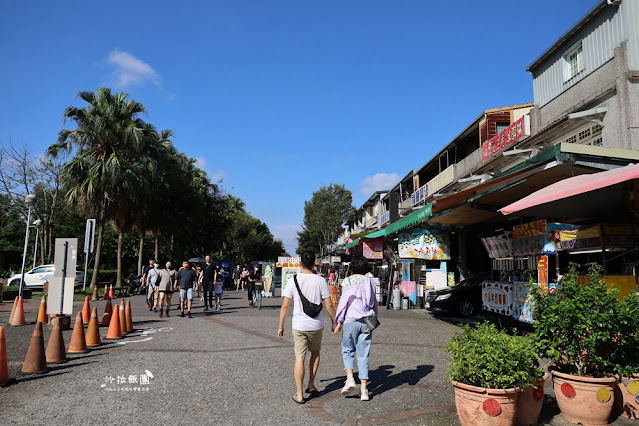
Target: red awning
{"points": [[574, 186]]}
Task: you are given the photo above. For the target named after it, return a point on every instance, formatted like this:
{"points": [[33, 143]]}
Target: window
{"points": [[501, 127], [573, 62]]}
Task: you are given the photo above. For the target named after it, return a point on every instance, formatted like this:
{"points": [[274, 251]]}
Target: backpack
{"points": [[310, 309]]}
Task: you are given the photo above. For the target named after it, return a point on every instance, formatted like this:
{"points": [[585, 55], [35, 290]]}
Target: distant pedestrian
{"points": [[244, 278], [358, 301], [237, 276], [255, 279], [154, 280], [166, 288], [307, 330], [185, 279], [208, 278], [219, 289], [144, 281]]}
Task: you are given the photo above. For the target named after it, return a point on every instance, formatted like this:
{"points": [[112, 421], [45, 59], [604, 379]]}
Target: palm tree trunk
{"points": [[140, 254], [118, 278], [157, 246], [96, 263]]}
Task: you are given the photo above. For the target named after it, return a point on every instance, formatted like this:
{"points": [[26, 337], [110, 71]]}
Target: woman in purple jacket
{"points": [[357, 302]]}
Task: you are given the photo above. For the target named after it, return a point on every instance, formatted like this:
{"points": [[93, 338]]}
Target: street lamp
{"points": [[36, 224], [29, 200]]}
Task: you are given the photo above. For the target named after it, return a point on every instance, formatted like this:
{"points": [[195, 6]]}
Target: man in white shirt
{"points": [[307, 331]]}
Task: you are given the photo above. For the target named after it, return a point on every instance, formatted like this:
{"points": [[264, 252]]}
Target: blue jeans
{"points": [[356, 338]]}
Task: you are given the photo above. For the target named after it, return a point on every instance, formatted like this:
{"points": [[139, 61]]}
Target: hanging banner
{"points": [[499, 246], [373, 248], [424, 244], [580, 238], [542, 274], [539, 237]]}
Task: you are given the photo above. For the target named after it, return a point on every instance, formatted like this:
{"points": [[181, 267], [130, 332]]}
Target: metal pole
{"points": [[86, 257], [24, 252], [64, 274], [35, 249]]}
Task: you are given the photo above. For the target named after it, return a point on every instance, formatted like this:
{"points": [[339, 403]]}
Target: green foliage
{"points": [[490, 358], [585, 328], [324, 216]]}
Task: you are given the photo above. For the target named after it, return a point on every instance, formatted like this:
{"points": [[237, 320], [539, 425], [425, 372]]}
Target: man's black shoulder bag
{"points": [[310, 309]]}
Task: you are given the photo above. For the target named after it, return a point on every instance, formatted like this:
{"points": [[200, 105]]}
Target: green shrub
{"points": [[490, 358], [585, 328], [104, 275]]}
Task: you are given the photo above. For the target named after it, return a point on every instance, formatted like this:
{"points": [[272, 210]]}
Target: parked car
{"points": [[463, 299], [35, 278]]}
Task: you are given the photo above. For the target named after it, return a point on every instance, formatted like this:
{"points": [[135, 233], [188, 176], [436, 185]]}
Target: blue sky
{"points": [[277, 98]]}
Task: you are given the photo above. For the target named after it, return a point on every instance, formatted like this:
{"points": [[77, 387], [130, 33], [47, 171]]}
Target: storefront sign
{"points": [[385, 218], [500, 246], [538, 237], [373, 248], [287, 274], [419, 195], [288, 262], [516, 132], [530, 229], [623, 235], [542, 274], [580, 238], [497, 297], [424, 244]]}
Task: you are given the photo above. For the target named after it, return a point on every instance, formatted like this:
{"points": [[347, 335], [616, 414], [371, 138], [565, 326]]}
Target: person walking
{"points": [[185, 279], [357, 302], [307, 330], [237, 276], [244, 278], [145, 284], [255, 278], [219, 289], [166, 287], [208, 278], [154, 280]]}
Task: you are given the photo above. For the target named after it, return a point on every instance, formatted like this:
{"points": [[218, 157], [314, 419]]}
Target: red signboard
{"points": [[530, 229], [542, 273], [517, 131]]}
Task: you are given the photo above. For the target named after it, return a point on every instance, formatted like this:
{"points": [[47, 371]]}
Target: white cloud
{"points": [[378, 182], [130, 71], [288, 235], [215, 176]]}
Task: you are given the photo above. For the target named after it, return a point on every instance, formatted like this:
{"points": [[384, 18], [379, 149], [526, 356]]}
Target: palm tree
{"points": [[108, 135]]}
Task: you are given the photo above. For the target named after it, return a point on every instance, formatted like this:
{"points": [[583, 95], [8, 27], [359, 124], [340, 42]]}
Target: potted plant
{"points": [[627, 361], [579, 328], [488, 369]]}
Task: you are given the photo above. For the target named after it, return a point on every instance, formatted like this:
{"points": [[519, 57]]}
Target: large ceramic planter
{"points": [[479, 406], [585, 400], [627, 398], [529, 403]]}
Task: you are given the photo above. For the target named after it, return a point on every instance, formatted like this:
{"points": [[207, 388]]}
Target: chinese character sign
{"points": [[542, 273], [424, 244], [517, 131], [373, 248]]}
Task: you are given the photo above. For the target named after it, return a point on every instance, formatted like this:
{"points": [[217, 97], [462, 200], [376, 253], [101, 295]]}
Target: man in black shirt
{"points": [[237, 275], [208, 277], [185, 279]]}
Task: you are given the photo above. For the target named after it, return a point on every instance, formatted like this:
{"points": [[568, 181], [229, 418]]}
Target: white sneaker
{"points": [[350, 388], [364, 394]]}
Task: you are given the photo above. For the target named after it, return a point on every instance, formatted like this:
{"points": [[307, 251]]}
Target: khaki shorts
{"points": [[307, 340]]}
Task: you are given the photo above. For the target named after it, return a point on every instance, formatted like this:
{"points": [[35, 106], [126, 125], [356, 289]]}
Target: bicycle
{"points": [[257, 296]]}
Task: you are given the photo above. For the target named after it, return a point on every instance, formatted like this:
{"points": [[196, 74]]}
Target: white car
{"points": [[35, 278]]}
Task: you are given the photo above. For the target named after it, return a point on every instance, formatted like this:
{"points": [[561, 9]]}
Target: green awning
{"points": [[415, 217], [376, 234], [352, 243]]}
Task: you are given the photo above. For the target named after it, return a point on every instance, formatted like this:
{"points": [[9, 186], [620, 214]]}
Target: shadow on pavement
{"points": [[381, 379], [22, 379]]}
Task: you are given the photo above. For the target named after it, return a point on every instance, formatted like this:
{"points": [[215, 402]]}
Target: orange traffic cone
{"points": [[78, 344], [35, 362], [111, 292], [93, 332], [123, 328], [105, 296], [18, 315], [95, 294], [13, 309], [108, 311], [114, 327], [55, 352], [128, 316], [4, 365], [42, 312], [86, 311]]}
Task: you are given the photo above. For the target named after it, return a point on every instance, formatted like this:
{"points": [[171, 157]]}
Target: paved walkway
{"points": [[228, 367]]}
